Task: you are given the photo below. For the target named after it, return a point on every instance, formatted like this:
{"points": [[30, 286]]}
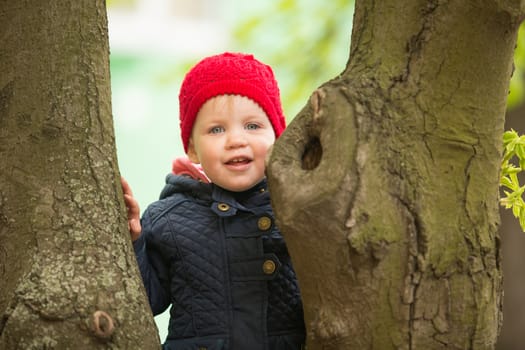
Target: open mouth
{"points": [[238, 161]]}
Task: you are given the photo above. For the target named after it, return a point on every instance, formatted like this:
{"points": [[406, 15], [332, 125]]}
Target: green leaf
{"points": [[522, 163], [516, 210], [511, 169], [507, 182], [508, 136]]}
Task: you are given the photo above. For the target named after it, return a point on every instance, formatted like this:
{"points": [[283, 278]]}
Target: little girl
{"points": [[210, 247]]}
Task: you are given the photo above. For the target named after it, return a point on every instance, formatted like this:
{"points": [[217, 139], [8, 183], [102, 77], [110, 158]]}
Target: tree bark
{"points": [[68, 274], [386, 183]]}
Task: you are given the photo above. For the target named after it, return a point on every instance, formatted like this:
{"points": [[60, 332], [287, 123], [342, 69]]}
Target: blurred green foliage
{"points": [[307, 43], [517, 83]]}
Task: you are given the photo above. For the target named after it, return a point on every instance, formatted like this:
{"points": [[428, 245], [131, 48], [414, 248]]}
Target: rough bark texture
{"points": [[386, 184], [68, 274]]}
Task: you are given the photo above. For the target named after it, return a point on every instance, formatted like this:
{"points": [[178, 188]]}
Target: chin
{"points": [[238, 188]]}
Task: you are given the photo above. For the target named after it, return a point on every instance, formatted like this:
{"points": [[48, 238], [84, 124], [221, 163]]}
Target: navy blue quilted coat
{"points": [[217, 257]]}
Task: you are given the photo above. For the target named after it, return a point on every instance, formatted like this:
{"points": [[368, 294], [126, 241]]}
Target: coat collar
{"points": [[254, 197]]}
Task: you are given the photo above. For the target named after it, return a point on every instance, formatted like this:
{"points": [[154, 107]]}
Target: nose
{"points": [[236, 138]]}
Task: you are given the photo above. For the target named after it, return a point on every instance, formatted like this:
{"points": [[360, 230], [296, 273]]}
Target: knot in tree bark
{"points": [[103, 325]]}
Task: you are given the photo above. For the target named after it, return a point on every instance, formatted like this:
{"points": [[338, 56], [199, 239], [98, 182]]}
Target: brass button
{"points": [[268, 267], [223, 207], [264, 223]]}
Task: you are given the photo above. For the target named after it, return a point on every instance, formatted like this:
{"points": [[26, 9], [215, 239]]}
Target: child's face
{"points": [[230, 139]]}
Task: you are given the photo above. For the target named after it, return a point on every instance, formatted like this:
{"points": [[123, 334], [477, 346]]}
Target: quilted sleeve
{"points": [[153, 268]]}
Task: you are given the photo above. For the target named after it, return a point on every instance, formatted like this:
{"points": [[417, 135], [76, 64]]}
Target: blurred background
{"points": [[154, 42]]}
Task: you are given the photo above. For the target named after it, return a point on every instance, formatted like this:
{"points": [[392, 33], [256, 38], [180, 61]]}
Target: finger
{"points": [[126, 188], [134, 226], [128, 200], [134, 229], [132, 205]]}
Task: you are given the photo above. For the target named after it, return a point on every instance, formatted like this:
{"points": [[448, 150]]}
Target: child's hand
{"points": [[133, 210]]}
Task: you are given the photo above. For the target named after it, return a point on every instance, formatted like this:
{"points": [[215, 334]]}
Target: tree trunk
{"points": [[386, 184], [68, 274]]}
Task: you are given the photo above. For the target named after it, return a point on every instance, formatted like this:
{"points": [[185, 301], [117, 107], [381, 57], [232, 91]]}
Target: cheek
{"points": [[192, 153], [209, 154], [201, 148], [269, 144], [263, 151]]}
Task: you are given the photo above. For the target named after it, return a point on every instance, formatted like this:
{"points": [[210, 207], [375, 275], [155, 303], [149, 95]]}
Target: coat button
{"points": [[264, 223], [223, 207], [268, 267]]}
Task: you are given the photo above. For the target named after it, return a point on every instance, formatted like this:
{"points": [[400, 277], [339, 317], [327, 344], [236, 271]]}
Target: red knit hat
{"points": [[229, 74]]}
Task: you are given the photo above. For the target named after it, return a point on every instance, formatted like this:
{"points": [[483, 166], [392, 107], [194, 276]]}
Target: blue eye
{"points": [[252, 126], [216, 130]]}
